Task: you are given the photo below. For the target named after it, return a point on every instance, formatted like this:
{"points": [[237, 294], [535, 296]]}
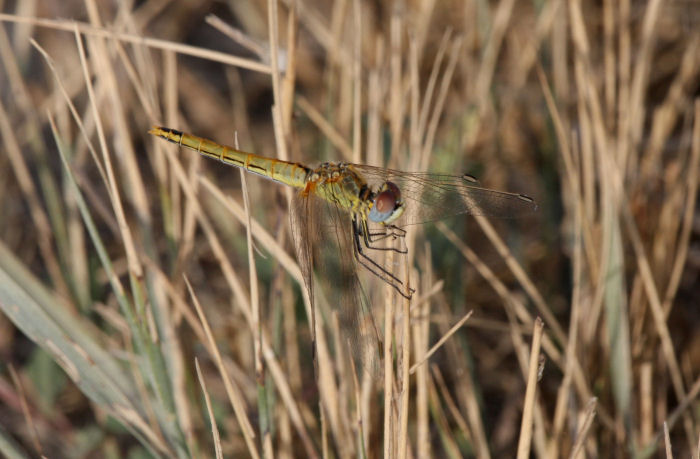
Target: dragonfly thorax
{"points": [[340, 184]]}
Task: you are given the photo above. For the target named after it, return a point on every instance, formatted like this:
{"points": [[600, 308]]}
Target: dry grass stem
{"points": [[441, 341], [214, 428], [107, 232], [530, 392], [234, 394]]}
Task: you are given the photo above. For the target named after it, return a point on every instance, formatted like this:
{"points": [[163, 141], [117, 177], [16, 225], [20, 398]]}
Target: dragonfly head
{"points": [[387, 205]]}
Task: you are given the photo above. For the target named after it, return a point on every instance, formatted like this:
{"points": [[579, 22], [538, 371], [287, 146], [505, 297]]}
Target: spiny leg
{"points": [[356, 230], [394, 231], [370, 237], [387, 231], [372, 266]]}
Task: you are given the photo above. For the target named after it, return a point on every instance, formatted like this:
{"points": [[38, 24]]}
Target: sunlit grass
{"points": [[143, 298]]}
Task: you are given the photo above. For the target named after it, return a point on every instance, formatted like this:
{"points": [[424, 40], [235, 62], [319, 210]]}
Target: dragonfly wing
{"points": [[304, 226], [430, 197], [324, 244], [340, 272]]}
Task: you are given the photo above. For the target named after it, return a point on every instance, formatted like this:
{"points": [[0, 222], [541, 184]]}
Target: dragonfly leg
{"points": [[388, 231], [391, 231], [372, 266]]}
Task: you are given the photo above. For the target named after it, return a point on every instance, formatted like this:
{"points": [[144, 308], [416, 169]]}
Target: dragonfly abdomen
{"points": [[292, 174]]}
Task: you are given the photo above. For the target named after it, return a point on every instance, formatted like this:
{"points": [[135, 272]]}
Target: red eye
{"points": [[387, 204], [391, 187]]}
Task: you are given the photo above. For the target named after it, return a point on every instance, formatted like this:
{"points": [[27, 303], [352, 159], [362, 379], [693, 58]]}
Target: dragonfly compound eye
{"points": [[387, 204]]}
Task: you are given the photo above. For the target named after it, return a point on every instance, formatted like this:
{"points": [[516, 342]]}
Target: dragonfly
{"points": [[359, 211]]}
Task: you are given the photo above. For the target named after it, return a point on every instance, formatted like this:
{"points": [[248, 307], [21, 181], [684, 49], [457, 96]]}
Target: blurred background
{"points": [[112, 240]]}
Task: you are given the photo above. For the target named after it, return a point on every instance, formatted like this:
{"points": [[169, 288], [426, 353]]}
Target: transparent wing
{"points": [[430, 197], [304, 226], [324, 243]]}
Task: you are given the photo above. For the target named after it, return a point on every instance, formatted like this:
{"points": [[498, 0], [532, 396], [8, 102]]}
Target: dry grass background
{"points": [[136, 309]]}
